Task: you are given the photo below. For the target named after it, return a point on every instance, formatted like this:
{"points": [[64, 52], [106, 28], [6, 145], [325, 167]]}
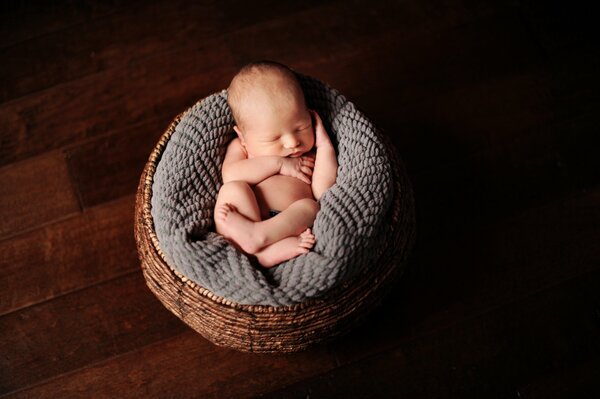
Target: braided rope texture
{"points": [[351, 227]]}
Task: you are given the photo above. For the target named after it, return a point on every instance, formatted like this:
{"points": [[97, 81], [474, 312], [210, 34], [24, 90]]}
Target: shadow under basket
{"points": [[262, 328]]}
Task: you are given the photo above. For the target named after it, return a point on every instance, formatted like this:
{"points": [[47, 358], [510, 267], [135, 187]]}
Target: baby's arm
{"points": [[325, 171], [251, 170], [254, 170]]}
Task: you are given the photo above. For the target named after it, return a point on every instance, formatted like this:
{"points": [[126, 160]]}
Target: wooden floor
{"points": [[493, 105]]}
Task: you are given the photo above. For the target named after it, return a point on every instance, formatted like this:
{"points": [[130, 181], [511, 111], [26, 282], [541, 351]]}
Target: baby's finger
{"points": [[306, 170], [304, 178], [316, 117], [310, 165], [309, 161]]}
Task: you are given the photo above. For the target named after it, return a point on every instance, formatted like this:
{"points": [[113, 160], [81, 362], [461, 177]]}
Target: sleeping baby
{"points": [[276, 169]]}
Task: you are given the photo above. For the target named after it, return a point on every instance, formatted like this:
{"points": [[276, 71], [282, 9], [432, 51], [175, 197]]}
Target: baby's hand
{"points": [[321, 137], [300, 168]]}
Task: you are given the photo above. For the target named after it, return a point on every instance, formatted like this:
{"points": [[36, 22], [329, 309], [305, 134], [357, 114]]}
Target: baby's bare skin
{"points": [[282, 160], [278, 192], [235, 224]]}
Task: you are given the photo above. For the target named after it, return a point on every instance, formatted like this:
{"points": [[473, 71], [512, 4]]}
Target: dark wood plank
{"points": [[473, 117], [35, 192], [456, 276], [580, 381], [138, 31], [419, 307], [108, 163], [386, 72], [491, 163], [185, 367], [348, 28], [488, 356], [545, 163], [110, 166], [558, 27], [129, 93], [111, 100], [25, 20], [492, 105], [80, 329], [91, 247], [415, 60], [460, 84], [479, 85]]}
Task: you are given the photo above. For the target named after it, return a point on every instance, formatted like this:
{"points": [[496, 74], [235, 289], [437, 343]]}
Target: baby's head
{"points": [[270, 112]]}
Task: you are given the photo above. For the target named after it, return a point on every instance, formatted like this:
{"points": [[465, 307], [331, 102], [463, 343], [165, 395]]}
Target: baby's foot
{"points": [[285, 249], [306, 240], [239, 228]]}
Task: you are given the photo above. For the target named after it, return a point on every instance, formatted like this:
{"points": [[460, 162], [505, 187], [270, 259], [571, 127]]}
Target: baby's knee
{"points": [[235, 188], [311, 206]]}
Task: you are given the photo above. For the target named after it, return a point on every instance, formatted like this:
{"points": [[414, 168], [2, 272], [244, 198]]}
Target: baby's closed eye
{"points": [[301, 129]]}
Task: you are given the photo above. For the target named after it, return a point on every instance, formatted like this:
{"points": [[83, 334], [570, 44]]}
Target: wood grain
{"points": [[525, 94], [418, 307], [454, 276], [492, 105], [20, 21], [111, 100], [551, 330], [35, 192], [579, 381], [179, 72], [185, 367], [501, 180], [81, 329], [85, 249], [306, 38], [130, 35], [110, 166]]}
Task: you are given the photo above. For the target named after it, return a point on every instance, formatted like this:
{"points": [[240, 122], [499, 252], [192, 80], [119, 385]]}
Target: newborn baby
{"points": [[274, 172]]}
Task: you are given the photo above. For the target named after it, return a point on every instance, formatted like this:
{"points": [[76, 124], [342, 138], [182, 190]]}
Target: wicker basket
{"points": [[259, 328]]}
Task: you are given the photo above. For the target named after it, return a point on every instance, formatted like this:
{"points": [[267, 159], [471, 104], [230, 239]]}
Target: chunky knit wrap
{"points": [[350, 228]]}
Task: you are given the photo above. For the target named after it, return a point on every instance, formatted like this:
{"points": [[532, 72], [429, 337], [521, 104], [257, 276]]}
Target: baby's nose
{"points": [[290, 142]]}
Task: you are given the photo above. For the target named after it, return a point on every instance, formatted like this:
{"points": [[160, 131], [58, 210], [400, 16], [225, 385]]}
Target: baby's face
{"points": [[272, 127]]}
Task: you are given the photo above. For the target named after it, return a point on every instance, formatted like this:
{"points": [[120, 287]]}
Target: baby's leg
{"points": [[252, 235], [240, 195], [285, 249], [291, 221]]}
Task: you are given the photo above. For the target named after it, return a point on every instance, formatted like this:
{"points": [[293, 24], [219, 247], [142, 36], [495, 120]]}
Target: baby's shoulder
{"points": [[235, 143], [236, 149]]}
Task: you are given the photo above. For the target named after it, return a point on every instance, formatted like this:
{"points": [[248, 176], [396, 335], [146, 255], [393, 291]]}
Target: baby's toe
{"points": [[306, 242], [308, 238], [307, 233], [222, 211]]}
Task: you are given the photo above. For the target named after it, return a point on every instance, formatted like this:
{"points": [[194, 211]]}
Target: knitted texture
{"points": [[350, 228]]}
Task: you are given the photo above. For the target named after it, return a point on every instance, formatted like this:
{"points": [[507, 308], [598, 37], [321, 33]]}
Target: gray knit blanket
{"points": [[350, 228]]}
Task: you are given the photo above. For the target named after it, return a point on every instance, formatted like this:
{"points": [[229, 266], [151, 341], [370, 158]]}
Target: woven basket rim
{"points": [[145, 189]]}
